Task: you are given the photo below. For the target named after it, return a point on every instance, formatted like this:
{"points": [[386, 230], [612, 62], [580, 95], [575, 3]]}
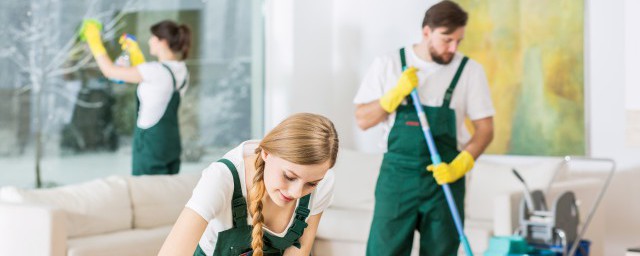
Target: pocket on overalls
{"points": [[390, 188], [386, 193]]}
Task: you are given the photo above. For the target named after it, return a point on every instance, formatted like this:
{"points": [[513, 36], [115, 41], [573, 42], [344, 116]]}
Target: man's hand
{"points": [[407, 82], [448, 173]]}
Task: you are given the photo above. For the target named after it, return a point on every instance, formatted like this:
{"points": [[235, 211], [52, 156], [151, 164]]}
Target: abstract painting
{"points": [[532, 53]]}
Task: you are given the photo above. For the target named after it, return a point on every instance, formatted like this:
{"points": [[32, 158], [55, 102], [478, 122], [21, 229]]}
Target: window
{"points": [[82, 127]]}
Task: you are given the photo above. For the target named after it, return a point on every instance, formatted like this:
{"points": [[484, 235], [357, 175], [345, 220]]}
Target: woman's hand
{"points": [[90, 32]]}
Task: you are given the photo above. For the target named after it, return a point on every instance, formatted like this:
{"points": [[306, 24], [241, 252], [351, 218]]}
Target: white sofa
{"points": [[133, 215], [491, 205], [112, 216]]}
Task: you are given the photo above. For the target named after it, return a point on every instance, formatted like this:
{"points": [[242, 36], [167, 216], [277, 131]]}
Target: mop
{"points": [[435, 157]]}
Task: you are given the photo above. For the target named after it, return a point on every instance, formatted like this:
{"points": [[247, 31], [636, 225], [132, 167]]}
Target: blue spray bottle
{"points": [[123, 60]]}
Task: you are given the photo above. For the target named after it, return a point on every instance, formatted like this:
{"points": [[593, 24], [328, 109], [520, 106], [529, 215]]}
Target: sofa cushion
{"points": [[93, 207], [158, 199], [136, 242], [491, 178], [355, 179], [27, 229], [345, 224]]}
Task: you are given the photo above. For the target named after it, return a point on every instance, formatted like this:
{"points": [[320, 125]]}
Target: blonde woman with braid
{"points": [[263, 197]]}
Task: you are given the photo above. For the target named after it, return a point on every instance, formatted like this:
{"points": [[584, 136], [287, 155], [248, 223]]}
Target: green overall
{"points": [[407, 196], [156, 150], [237, 240]]}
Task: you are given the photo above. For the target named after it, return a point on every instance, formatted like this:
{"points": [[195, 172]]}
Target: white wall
{"points": [[319, 51], [606, 80], [632, 41], [322, 49]]}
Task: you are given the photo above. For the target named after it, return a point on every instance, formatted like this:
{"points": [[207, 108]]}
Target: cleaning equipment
{"points": [[123, 60], [435, 157], [130, 45], [552, 230], [539, 226], [512, 246]]}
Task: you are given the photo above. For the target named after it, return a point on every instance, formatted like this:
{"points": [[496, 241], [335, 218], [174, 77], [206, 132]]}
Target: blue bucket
{"points": [[513, 246], [583, 248], [517, 246]]}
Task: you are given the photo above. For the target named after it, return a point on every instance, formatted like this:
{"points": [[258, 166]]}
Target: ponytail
{"points": [[184, 40], [178, 37]]}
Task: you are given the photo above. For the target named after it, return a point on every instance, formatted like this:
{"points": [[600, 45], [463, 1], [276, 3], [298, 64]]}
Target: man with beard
{"points": [[451, 88]]}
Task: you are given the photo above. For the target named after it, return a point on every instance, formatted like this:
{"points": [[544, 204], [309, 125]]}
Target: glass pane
{"points": [[83, 123]]}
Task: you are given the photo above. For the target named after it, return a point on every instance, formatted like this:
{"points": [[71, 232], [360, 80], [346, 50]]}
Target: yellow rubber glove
{"points": [[407, 82], [447, 173], [90, 32], [129, 44]]}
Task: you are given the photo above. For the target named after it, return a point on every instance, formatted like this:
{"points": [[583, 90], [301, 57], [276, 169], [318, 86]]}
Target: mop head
{"points": [[85, 23]]}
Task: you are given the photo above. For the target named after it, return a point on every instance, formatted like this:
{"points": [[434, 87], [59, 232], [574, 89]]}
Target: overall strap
{"points": [[238, 203], [173, 78], [186, 79], [454, 82], [296, 230], [403, 61]]}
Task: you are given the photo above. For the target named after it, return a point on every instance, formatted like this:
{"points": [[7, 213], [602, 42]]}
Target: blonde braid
{"points": [[257, 193]]}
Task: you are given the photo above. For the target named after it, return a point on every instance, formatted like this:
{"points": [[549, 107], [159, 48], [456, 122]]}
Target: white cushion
{"points": [[490, 179], [93, 207], [158, 199], [355, 179], [345, 224], [137, 242], [27, 229], [322, 247]]}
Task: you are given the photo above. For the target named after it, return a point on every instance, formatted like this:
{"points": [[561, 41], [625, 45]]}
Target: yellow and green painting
{"points": [[532, 53]]}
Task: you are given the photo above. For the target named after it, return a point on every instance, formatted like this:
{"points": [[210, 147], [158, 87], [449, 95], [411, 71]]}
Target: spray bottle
{"points": [[123, 60]]}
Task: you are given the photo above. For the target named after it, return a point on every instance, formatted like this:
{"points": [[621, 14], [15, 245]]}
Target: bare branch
{"points": [[71, 69], [90, 9], [7, 52], [110, 34], [73, 56], [72, 98], [66, 50], [128, 7]]}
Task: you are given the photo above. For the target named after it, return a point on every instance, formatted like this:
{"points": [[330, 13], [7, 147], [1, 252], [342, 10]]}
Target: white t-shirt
{"points": [[470, 98], [212, 196], [156, 89]]}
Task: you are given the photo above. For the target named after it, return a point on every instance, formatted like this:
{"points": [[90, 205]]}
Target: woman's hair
{"points": [[178, 37], [303, 139]]}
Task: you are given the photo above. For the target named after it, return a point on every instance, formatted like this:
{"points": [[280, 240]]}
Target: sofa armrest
{"points": [[27, 229], [505, 213]]}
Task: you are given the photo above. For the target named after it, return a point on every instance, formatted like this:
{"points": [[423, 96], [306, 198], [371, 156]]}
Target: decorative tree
{"points": [[34, 46]]}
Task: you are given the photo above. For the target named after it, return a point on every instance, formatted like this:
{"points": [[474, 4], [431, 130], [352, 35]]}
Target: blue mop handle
{"points": [[435, 157]]}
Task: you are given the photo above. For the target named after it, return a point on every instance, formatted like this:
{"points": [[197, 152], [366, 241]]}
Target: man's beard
{"points": [[442, 59]]}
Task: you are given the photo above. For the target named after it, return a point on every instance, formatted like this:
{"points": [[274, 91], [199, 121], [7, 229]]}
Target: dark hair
{"points": [[178, 37], [445, 14]]}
